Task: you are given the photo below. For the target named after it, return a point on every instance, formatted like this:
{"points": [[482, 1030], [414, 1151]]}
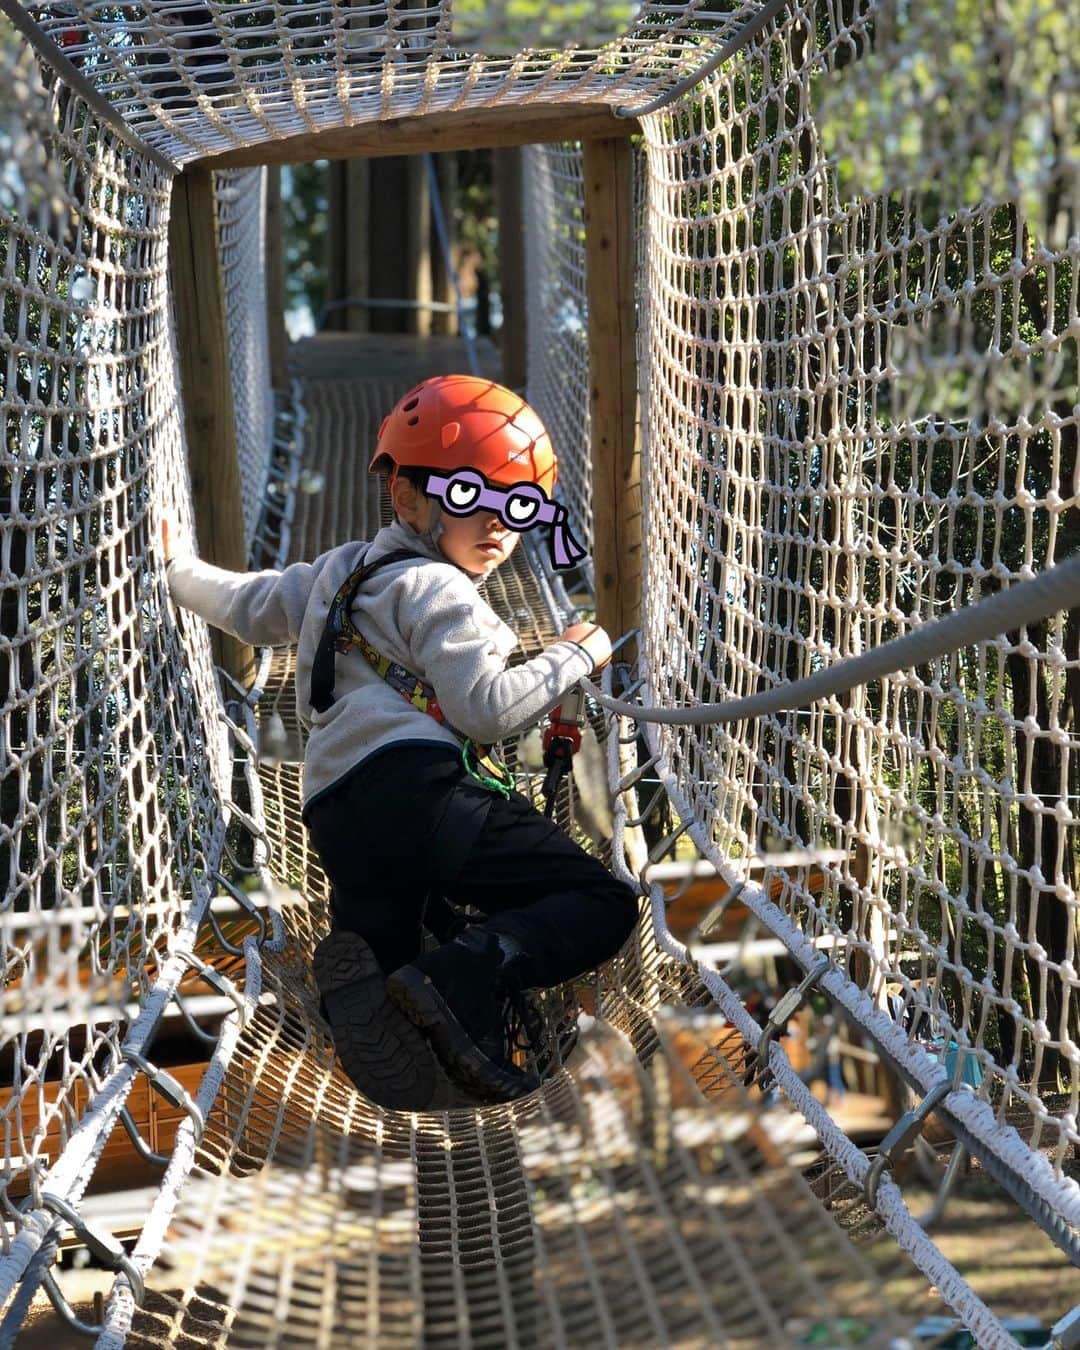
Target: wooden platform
{"points": [[389, 356]]}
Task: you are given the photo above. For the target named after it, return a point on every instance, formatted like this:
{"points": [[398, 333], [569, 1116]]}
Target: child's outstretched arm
{"points": [[481, 696], [265, 609]]}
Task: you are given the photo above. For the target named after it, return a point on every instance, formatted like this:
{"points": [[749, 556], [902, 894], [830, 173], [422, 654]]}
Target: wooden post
{"points": [[509, 186], [348, 262], [210, 426], [442, 289], [277, 337], [389, 197], [616, 460], [356, 318], [336, 247], [418, 244]]}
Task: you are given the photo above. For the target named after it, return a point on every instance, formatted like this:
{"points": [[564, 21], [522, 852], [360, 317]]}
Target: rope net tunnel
{"points": [[854, 241]]}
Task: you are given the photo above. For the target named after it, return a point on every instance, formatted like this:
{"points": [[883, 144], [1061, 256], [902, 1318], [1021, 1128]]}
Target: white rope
{"points": [[889, 1203], [1024, 602]]}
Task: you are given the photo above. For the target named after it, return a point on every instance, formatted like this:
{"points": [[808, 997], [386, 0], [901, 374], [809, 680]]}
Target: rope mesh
{"points": [[855, 420], [529, 1216], [858, 410], [240, 197], [203, 78], [113, 764]]}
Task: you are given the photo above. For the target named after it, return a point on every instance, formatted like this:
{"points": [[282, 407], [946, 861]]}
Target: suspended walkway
{"points": [[851, 690]]}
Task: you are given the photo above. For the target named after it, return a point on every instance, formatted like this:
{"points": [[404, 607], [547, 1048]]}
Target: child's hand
{"points": [[593, 638], [170, 532]]}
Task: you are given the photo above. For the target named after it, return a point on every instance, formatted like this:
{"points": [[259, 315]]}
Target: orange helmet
{"points": [[462, 421]]}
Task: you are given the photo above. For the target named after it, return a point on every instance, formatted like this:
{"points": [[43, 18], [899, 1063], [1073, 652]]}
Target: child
{"points": [[402, 675]]}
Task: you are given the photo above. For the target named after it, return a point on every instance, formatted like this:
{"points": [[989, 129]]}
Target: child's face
{"points": [[477, 543]]}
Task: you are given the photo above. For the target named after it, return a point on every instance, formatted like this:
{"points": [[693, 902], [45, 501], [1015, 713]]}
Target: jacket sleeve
{"points": [[263, 608], [480, 695]]}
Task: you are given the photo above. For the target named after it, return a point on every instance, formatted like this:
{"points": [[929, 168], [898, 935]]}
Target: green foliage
{"points": [[518, 24], [970, 100], [304, 226]]}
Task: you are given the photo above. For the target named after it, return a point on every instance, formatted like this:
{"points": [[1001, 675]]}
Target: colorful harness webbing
{"points": [[342, 635]]}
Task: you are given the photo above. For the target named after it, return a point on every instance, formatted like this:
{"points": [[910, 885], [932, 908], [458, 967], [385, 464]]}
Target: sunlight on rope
{"points": [[859, 429]]}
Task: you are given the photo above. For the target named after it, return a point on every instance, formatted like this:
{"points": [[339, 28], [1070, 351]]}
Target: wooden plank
{"points": [[357, 226], [417, 211], [388, 259], [464, 129], [203, 350], [444, 323], [120, 1165], [616, 459]]}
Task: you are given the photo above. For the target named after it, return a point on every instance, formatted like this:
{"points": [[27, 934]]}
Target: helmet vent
{"points": [[413, 421], [408, 407]]}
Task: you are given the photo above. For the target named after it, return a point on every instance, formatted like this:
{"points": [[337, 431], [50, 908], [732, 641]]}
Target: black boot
{"points": [[457, 994], [383, 1054]]}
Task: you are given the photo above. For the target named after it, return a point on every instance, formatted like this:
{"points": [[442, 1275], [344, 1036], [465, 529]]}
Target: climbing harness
{"points": [[562, 741], [342, 635]]}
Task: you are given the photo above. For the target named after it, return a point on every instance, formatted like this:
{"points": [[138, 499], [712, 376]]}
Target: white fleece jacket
{"points": [[428, 616]]}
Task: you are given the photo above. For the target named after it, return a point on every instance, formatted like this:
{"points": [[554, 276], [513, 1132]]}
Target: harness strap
{"points": [[342, 635]]}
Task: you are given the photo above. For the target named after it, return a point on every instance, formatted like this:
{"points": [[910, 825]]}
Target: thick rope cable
{"points": [[741, 40], [1024, 602], [1052, 1201], [889, 1202], [70, 74]]}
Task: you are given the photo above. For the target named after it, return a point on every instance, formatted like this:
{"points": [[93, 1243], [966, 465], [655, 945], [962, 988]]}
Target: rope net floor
{"points": [[638, 1200], [859, 411]]}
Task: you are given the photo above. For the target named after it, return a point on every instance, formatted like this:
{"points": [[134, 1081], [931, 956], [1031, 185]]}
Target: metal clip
{"points": [[785, 1007], [706, 925], [102, 1246], [172, 1090], [141, 1146], [665, 845], [900, 1136], [216, 980], [245, 903]]}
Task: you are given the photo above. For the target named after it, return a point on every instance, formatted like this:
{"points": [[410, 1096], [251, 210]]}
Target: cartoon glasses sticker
{"points": [[519, 508]]}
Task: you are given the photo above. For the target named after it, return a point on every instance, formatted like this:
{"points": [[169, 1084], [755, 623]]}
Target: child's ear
{"points": [[403, 497]]}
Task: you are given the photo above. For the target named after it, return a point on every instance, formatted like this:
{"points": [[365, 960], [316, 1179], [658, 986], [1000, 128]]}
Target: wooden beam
{"points": [[203, 349], [616, 461], [275, 282], [468, 129], [357, 224], [444, 322], [388, 266], [417, 211], [510, 208]]}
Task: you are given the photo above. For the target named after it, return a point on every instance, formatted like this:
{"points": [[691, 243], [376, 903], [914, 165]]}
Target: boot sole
{"points": [[423, 1005], [381, 1051]]}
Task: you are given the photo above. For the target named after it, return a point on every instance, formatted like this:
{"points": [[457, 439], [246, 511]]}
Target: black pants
{"points": [[410, 824]]}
